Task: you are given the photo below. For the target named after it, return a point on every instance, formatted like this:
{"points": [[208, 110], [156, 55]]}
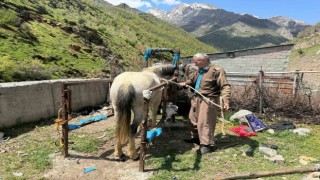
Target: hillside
{"points": [[306, 54], [230, 31], [63, 38]]}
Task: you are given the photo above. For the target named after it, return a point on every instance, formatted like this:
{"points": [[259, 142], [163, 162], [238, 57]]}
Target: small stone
{"points": [[277, 159], [271, 131], [268, 151], [302, 131], [17, 174]]}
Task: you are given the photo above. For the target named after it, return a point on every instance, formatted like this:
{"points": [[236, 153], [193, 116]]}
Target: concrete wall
{"points": [[250, 61], [24, 102]]}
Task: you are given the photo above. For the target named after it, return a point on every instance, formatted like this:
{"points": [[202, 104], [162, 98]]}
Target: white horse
{"points": [[126, 95]]}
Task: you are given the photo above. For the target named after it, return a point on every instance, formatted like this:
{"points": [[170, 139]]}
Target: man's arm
{"points": [[225, 89]]}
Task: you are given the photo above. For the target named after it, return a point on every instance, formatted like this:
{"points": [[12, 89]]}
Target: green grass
{"points": [[30, 147], [185, 164], [84, 143], [122, 32]]}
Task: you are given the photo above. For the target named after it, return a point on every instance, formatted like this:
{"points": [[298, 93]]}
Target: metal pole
{"points": [[143, 135]]}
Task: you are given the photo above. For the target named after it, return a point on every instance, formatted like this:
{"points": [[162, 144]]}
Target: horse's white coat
{"points": [[139, 81]]}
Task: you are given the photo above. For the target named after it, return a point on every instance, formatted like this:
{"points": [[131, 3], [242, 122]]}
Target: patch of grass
{"points": [[27, 150], [30, 145], [227, 159], [84, 143]]}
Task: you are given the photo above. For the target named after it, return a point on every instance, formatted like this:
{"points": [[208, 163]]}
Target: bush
{"points": [[7, 69], [300, 51], [276, 102], [32, 70], [8, 17]]}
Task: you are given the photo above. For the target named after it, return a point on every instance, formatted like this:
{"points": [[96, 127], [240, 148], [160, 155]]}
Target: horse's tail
{"points": [[125, 98]]}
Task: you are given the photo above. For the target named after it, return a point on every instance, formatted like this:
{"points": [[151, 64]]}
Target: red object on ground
{"points": [[243, 131]]}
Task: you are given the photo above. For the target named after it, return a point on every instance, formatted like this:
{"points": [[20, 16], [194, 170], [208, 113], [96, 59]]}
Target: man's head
{"points": [[201, 60]]}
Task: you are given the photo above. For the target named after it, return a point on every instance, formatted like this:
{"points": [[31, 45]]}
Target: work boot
{"points": [[192, 140], [204, 149]]}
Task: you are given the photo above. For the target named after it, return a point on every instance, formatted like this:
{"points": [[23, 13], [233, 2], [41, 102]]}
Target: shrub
{"points": [[300, 51], [8, 17], [7, 69], [31, 70]]}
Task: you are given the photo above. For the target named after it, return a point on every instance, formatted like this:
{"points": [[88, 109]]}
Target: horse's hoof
{"points": [[134, 156], [117, 154]]}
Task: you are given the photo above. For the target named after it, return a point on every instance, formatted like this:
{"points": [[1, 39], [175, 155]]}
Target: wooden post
{"points": [[143, 135], [65, 129], [164, 102], [269, 173], [296, 83], [260, 91]]}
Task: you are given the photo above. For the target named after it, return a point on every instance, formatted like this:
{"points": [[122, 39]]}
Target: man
{"points": [[210, 81]]}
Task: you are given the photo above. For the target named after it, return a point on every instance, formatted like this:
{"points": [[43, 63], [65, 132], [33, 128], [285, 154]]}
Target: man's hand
{"points": [[225, 106], [183, 84]]}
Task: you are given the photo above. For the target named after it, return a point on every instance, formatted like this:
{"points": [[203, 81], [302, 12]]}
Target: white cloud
{"points": [[171, 2], [166, 2], [157, 2], [131, 3]]}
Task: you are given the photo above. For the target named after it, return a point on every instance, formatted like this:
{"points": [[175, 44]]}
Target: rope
{"points": [[207, 99], [59, 122]]}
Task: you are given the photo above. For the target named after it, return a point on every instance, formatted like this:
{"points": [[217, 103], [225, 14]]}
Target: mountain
{"points": [[64, 38], [228, 30]]}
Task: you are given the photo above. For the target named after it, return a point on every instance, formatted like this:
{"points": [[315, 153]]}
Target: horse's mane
{"points": [[161, 70]]}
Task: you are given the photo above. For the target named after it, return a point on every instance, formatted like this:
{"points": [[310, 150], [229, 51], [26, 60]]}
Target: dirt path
{"points": [[107, 166]]}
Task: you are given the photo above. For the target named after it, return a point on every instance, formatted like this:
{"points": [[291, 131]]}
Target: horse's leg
{"points": [[154, 107], [138, 111], [118, 147]]}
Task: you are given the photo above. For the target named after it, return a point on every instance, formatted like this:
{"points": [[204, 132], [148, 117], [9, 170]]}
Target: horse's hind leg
{"points": [[138, 111], [118, 147]]}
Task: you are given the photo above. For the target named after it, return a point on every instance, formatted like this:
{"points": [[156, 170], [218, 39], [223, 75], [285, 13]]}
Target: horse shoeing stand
{"points": [[66, 109], [147, 96]]}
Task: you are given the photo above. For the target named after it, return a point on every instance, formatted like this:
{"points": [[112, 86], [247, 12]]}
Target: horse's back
{"points": [[139, 80]]}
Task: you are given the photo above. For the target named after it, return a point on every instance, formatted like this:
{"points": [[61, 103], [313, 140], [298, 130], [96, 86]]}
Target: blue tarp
{"points": [[85, 121]]}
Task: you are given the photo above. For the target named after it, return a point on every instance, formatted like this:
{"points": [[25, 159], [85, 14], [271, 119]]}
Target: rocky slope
{"points": [[63, 38], [228, 30]]}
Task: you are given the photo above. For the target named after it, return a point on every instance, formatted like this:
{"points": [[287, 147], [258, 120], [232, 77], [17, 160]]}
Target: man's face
{"points": [[201, 63]]}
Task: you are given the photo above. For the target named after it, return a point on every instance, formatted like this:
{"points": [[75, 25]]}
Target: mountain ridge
{"points": [[239, 30]]}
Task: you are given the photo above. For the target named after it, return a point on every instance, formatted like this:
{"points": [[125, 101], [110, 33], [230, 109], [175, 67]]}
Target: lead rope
{"points": [[207, 99], [59, 122]]}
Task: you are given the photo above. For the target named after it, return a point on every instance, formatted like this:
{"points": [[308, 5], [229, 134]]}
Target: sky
{"points": [[302, 10]]}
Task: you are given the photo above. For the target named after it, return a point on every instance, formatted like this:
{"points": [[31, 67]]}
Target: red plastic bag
{"points": [[243, 131]]}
